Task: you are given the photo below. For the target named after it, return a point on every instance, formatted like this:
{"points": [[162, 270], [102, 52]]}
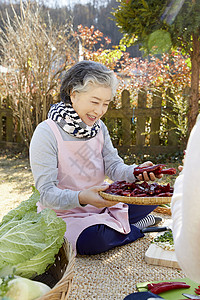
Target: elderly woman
{"points": [[70, 155]]}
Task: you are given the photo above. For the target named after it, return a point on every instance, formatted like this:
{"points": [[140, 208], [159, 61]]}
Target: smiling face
{"points": [[92, 104]]}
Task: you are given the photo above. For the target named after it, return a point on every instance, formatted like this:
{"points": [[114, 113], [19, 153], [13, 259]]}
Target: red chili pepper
{"points": [[126, 194], [152, 285], [170, 171], [165, 188], [167, 194], [156, 169], [168, 286], [152, 189], [197, 291], [198, 288]]}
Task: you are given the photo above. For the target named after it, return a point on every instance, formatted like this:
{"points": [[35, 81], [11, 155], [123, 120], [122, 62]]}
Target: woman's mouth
{"points": [[91, 118]]}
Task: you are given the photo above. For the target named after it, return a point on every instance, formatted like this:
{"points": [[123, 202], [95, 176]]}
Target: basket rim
{"points": [[136, 200], [62, 288], [163, 210]]}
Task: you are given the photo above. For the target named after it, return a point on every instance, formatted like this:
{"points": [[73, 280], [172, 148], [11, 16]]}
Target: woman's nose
{"points": [[99, 109]]}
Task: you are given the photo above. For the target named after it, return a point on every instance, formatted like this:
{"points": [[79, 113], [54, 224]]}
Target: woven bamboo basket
{"points": [[136, 200], [60, 275], [163, 210]]}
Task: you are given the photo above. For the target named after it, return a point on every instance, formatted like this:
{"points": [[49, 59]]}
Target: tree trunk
{"points": [[194, 98]]}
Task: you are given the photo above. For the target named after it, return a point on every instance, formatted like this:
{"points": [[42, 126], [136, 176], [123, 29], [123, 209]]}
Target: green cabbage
{"points": [[19, 288], [29, 240], [25, 289]]}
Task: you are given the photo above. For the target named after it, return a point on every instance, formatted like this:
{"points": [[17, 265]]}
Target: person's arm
{"points": [[186, 209], [43, 161]]}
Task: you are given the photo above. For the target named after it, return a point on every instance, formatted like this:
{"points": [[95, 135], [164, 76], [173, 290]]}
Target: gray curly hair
{"points": [[80, 76]]}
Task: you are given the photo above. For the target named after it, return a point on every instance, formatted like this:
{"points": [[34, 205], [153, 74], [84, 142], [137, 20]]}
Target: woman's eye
{"points": [[95, 102]]}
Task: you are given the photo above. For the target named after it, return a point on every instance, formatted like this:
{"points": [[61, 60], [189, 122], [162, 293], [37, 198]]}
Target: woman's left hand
{"points": [[145, 176]]}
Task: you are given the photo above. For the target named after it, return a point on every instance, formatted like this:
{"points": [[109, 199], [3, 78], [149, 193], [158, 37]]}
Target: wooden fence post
{"points": [[172, 136], [18, 135], [6, 123], [1, 127], [141, 118], [155, 120], [9, 127], [126, 120]]}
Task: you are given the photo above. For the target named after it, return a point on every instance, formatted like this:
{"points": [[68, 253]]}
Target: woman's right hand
{"points": [[91, 196], [180, 168]]}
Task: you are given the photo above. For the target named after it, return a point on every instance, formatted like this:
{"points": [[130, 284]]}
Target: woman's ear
{"points": [[72, 96]]}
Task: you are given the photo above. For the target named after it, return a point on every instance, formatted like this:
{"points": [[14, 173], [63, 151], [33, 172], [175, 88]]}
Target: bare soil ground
{"points": [[16, 180]]}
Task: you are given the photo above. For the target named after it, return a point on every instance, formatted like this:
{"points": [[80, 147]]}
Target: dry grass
{"points": [[15, 181], [110, 275]]}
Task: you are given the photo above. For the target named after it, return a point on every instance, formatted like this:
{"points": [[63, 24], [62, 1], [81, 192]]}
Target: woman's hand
{"points": [[181, 167], [91, 196], [144, 176]]}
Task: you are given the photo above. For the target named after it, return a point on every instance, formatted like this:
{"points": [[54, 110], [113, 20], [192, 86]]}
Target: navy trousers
{"points": [[100, 238]]}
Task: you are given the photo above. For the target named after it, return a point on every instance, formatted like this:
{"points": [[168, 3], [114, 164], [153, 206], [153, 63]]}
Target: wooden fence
{"points": [[138, 129], [9, 128]]}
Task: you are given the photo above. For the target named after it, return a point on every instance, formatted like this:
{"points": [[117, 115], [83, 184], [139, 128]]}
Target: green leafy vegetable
{"points": [[21, 288], [165, 237], [4, 284], [165, 240], [29, 240], [23, 208]]}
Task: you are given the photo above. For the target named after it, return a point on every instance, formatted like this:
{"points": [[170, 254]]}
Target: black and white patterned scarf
{"points": [[68, 119]]}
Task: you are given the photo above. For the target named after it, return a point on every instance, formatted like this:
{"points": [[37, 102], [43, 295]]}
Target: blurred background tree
{"points": [[159, 26], [35, 53], [50, 39]]}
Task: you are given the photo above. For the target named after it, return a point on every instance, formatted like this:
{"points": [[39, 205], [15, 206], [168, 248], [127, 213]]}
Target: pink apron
{"points": [[80, 166]]}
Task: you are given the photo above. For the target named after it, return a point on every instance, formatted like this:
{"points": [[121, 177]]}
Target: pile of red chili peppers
{"points": [[123, 188], [160, 287], [143, 189], [156, 169]]}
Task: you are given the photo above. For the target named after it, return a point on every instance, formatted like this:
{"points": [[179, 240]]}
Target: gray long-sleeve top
{"points": [[44, 165]]}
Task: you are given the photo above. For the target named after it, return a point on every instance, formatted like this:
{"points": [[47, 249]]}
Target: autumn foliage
{"points": [[40, 53]]}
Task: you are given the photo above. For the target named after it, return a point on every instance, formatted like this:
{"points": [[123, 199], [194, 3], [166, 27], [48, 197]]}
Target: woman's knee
{"points": [[92, 240]]}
